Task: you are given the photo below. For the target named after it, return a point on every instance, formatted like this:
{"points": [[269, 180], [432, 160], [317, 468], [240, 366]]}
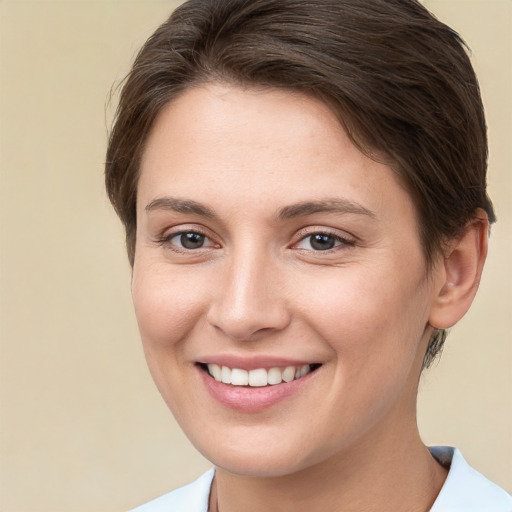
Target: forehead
{"points": [[222, 123], [259, 147]]}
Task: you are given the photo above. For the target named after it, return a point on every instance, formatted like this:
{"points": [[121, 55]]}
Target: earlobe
{"points": [[459, 274]]}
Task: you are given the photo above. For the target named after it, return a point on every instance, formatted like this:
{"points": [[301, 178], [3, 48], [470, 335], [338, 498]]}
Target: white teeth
{"points": [[225, 375], [275, 376], [289, 373], [215, 372], [259, 377], [304, 370], [239, 377]]}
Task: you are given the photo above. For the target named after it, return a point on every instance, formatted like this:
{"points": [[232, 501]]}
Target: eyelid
{"points": [[344, 238], [207, 244], [170, 233]]}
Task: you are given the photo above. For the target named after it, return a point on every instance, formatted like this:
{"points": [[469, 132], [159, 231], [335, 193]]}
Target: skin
{"points": [[364, 309]]}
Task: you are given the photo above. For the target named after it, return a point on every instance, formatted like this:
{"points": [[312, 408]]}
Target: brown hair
{"points": [[399, 80]]}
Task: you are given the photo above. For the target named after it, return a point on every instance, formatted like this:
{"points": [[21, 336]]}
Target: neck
{"points": [[390, 474]]}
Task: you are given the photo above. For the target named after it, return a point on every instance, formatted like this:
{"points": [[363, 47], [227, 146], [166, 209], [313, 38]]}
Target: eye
{"points": [[190, 240], [322, 242]]}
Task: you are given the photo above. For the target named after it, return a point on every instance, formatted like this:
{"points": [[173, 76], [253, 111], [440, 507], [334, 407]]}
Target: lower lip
{"points": [[251, 399]]}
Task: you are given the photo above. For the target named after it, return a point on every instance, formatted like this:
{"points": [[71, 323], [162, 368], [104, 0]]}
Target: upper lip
{"points": [[255, 362]]}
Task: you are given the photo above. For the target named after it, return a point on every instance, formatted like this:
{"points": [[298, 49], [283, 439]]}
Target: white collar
{"points": [[465, 490]]}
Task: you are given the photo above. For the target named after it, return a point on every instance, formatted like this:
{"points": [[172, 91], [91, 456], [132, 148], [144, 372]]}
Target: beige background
{"points": [[82, 426]]}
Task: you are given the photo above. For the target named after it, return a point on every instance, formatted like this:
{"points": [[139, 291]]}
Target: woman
{"points": [[303, 190]]}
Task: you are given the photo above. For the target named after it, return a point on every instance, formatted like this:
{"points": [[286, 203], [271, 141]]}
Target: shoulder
{"points": [[465, 489], [190, 498]]}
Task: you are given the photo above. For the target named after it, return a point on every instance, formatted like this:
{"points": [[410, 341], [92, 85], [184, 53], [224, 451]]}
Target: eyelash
{"points": [[167, 240], [341, 242]]}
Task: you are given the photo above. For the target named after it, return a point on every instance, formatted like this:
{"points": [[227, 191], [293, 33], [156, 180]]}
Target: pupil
{"points": [[192, 240], [322, 242]]}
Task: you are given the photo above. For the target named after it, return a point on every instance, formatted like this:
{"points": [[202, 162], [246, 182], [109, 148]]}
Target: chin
{"points": [[257, 458], [258, 466]]}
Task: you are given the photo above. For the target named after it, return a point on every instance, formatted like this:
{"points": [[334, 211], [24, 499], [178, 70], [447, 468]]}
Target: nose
{"points": [[250, 301]]}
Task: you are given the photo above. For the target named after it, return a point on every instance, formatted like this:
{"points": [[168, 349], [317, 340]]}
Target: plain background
{"points": [[82, 425]]}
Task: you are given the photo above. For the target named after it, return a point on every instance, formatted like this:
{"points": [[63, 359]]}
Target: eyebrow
{"points": [[334, 205], [180, 206], [301, 209]]}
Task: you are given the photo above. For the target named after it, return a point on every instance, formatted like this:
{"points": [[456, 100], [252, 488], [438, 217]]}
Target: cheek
{"points": [[375, 328], [167, 309], [370, 316], [166, 305]]}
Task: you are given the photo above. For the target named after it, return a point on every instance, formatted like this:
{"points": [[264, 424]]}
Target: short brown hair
{"points": [[400, 81]]}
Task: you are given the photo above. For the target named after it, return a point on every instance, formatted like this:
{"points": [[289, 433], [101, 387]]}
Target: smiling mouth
{"points": [[259, 377]]}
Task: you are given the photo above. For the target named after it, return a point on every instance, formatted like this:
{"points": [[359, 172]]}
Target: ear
{"points": [[458, 274]]}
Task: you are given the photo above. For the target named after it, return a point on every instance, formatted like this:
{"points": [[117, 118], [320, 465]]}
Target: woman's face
{"points": [[269, 248]]}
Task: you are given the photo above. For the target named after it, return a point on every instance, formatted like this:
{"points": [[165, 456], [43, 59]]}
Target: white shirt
{"points": [[465, 490]]}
